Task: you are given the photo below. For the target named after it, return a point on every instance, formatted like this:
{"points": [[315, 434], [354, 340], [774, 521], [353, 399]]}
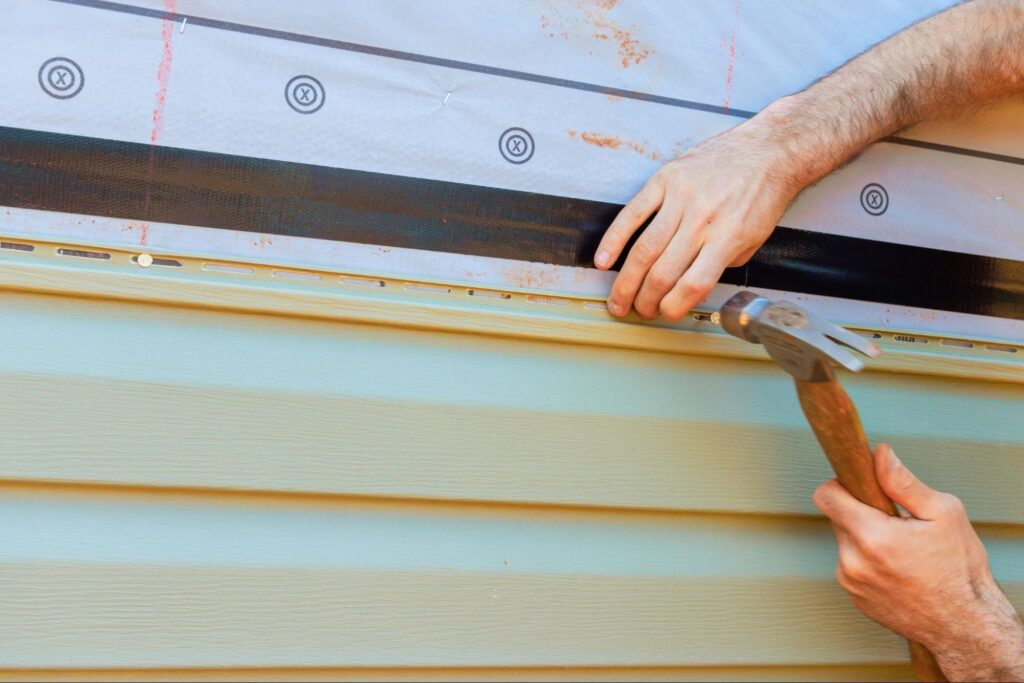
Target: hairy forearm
{"points": [[986, 643], [967, 55]]}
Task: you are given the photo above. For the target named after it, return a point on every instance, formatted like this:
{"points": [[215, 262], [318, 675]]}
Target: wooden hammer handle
{"points": [[837, 425]]}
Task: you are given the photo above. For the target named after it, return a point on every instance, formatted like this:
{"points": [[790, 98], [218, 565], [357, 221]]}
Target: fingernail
{"points": [[895, 462], [616, 308], [602, 258]]}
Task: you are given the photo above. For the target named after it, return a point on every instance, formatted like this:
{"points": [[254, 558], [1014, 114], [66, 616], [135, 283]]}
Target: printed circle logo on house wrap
{"points": [[61, 78], [516, 145], [305, 94], [874, 199]]}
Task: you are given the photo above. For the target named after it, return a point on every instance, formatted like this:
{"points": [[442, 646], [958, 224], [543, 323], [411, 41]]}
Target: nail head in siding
{"points": [[713, 318], [81, 253], [225, 268], [144, 260], [169, 262]]}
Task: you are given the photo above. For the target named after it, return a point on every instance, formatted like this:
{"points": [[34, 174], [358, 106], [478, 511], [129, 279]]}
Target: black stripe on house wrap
{"points": [[74, 174]]}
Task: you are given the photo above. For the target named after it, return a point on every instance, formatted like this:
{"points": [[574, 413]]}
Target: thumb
{"points": [[903, 487]]}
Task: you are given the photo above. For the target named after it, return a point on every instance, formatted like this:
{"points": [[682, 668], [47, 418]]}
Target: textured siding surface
{"points": [[212, 494]]}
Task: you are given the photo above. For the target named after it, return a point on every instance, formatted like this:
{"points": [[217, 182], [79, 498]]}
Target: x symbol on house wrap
{"points": [[61, 77]]}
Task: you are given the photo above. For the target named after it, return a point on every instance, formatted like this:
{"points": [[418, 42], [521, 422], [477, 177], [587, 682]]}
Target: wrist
{"points": [[802, 153]]}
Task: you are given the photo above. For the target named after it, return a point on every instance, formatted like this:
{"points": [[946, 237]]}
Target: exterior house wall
{"points": [[204, 477]]}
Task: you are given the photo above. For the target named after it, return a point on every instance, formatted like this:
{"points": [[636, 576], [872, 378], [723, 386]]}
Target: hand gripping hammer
{"points": [[805, 346]]}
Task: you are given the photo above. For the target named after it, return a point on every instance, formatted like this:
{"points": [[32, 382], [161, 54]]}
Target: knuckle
{"points": [[741, 260], [652, 190], [621, 292], [635, 214], [647, 313], [820, 497], [703, 217], [671, 311], [951, 505], [842, 579], [688, 287], [982, 553], [682, 189], [876, 545], [661, 279], [852, 569], [902, 481], [621, 295], [643, 253], [695, 286]]}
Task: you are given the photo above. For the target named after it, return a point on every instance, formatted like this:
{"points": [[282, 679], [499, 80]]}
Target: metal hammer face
{"points": [[799, 341]]}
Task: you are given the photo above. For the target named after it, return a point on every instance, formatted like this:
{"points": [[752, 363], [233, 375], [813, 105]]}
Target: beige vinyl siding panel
{"points": [[171, 397], [220, 494]]}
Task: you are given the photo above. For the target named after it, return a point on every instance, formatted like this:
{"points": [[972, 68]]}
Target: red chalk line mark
{"points": [[732, 58], [163, 71], [163, 77]]}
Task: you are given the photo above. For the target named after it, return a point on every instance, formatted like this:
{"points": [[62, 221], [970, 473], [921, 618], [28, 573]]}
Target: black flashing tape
{"points": [[74, 174]]}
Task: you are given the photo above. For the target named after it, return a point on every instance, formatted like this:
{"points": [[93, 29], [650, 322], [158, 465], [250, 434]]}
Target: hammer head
{"points": [[799, 341]]}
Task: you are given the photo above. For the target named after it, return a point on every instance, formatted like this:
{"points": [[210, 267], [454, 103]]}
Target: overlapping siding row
{"points": [[220, 494]]}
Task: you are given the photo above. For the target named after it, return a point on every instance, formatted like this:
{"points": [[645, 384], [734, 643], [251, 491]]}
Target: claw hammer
{"points": [[805, 346]]}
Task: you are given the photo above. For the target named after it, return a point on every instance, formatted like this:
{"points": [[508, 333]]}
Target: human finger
{"points": [[845, 511], [630, 217], [904, 488], [696, 282], [667, 270], [645, 251]]}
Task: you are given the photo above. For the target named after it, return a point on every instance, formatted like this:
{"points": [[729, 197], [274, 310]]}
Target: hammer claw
{"points": [[801, 342], [855, 342], [840, 355]]}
